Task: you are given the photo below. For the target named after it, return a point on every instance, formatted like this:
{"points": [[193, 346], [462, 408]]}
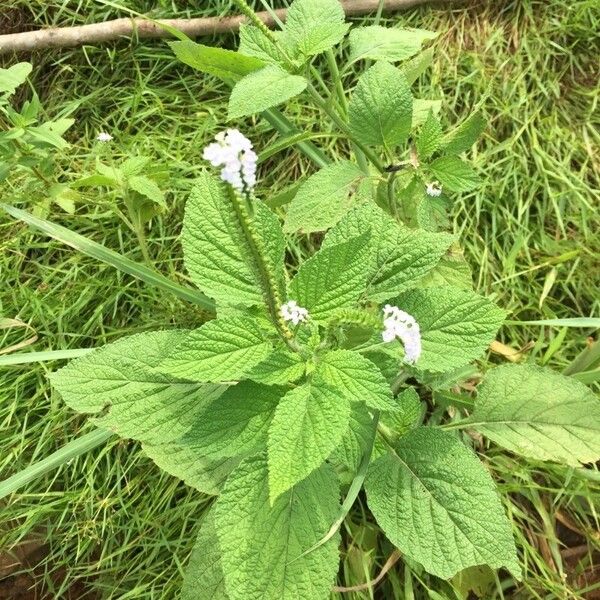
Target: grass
{"points": [[109, 524]]}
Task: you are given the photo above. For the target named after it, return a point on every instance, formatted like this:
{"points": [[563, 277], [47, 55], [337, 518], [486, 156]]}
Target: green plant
{"points": [[346, 330]]}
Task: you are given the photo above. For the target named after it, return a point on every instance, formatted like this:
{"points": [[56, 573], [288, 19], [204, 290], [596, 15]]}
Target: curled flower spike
{"points": [[104, 137], [434, 189], [233, 152], [401, 325], [290, 311]]}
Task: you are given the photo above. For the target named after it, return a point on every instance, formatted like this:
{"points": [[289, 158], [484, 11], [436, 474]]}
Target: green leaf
{"points": [[219, 62], [207, 475], [454, 174], [313, 26], [456, 325], [356, 440], [383, 43], [263, 89], [253, 42], [50, 133], [215, 252], [333, 278], [134, 165], [452, 270], [221, 350], [13, 77], [120, 386], [204, 576], [308, 424], [146, 187], [408, 413], [430, 137], [357, 378], [539, 413], [414, 68], [438, 504], [279, 368], [261, 545], [422, 108], [465, 135], [398, 256], [324, 198], [381, 107]]}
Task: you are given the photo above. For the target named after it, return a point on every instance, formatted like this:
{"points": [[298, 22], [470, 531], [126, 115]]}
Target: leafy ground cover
{"points": [[109, 524]]}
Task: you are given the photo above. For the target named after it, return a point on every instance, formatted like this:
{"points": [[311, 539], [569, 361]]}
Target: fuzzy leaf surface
{"points": [[430, 137], [381, 107], [309, 423], [464, 135], [438, 504], [263, 89], [324, 198], [253, 42], [279, 368], [384, 43], [422, 108], [455, 174], [261, 543], [539, 413], [119, 385], [356, 439], [221, 350]]}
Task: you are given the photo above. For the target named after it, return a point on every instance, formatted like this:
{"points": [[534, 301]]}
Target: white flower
{"points": [[233, 152], [104, 137], [434, 189], [290, 311], [399, 324]]}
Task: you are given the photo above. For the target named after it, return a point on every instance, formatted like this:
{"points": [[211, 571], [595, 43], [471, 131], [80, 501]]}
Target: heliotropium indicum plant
{"points": [[316, 378]]}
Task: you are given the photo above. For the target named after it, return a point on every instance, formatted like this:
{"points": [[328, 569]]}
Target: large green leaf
{"points": [[455, 174], [120, 386], [430, 137], [215, 251], [437, 503], [219, 62], [313, 26], [280, 367], [383, 43], [204, 578], [538, 413], [457, 325], [333, 278], [357, 378], [324, 198], [262, 544], [221, 350], [465, 134], [253, 42], [398, 256], [263, 89], [308, 424], [380, 110]]}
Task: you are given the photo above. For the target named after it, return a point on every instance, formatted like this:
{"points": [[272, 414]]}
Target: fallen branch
{"points": [[95, 33]]}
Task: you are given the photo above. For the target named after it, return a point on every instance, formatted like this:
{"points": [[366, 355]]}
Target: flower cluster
{"points": [[434, 189], [233, 151], [399, 324], [290, 311], [104, 137]]}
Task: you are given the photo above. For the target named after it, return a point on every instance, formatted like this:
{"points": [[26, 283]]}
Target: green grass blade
{"points": [[28, 357], [68, 452], [110, 257], [593, 322]]}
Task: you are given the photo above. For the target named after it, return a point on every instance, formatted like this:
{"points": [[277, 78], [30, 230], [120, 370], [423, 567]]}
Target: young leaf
{"points": [[120, 386], [422, 108], [308, 424], [380, 111], [279, 368], [146, 187], [221, 350], [324, 198], [313, 26], [262, 545], [456, 325], [538, 413], [13, 77], [214, 249], [204, 576], [253, 42], [224, 64], [437, 503], [263, 89], [465, 135], [407, 415], [357, 378], [355, 440], [398, 256], [454, 174], [331, 279], [383, 43], [430, 137]]}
